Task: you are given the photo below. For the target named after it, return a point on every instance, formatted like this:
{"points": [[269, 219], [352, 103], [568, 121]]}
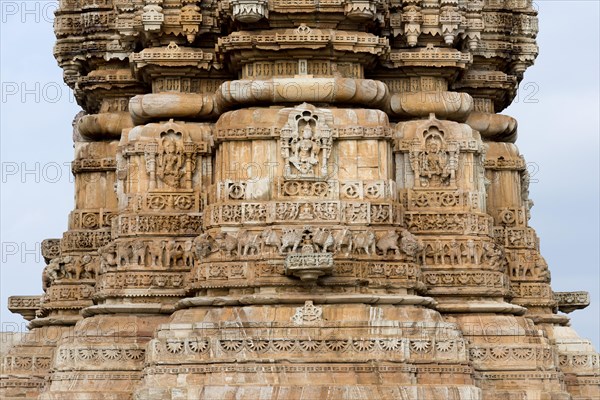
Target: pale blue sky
{"points": [[557, 110]]}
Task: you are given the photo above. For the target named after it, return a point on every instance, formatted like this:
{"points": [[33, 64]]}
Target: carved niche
{"points": [[170, 161], [433, 159], [306, 142]]}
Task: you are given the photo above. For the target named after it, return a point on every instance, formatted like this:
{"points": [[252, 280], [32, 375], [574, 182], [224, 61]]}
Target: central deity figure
{"points": [[170, 165], [305, 152], [433, 164]]}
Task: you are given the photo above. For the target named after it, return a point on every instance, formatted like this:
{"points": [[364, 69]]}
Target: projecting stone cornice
{"points": [[364, 92]]}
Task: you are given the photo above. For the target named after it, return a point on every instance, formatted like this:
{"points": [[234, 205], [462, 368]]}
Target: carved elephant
{"points": [[364, 241], [388, 242]]}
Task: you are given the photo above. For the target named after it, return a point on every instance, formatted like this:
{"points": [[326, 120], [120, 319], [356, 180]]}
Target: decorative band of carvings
{"points": [[25, 363], [333, 189], [141, 280], [508, 353], [448, 199], [576, 362], [84, 240], [29, 383], [318, 38], [88, 358], [288, 68], [141, 148], [400, 57], [573, 379], [392, 348], [234, 274], [448, 223], [59, 293], [180, 83], [464, 146], [172, 202], [91, 219], [96, 376], [515, 164], [304, 211], [461, 279], [85, 22], [179, 224], [526, 375], [516, 237], [94, 165], [346, 132], [296, 368], [528, 290], [274, 243]]}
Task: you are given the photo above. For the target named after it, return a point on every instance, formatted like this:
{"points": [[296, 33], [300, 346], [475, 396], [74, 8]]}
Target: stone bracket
{"points": [[24, 305], [309, 267], [571, 301]]}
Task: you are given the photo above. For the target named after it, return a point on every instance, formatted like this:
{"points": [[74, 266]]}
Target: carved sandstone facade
{"points": [[298, 200]]}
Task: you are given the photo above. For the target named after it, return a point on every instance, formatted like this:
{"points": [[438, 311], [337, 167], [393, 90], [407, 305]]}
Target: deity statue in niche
{"points": [[170, 163], [305, 152], [435, 162], [306, 143]]}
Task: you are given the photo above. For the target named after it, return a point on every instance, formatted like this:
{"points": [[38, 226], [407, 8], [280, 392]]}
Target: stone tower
{"points": [[301, 199]]}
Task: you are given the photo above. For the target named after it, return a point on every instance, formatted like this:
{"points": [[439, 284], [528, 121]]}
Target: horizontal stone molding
{"points": [[141, 280], [155, 224], [227, 348], [366, 92], [388, 274], [24, 363], [128, 308], [115, 357], [157, 106], [301, 299], [496, 127], [93, 165], [453, 106], [480, 307], [84, 240], [507, 357], [104, 125], [333, 211], [578, 362]]}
